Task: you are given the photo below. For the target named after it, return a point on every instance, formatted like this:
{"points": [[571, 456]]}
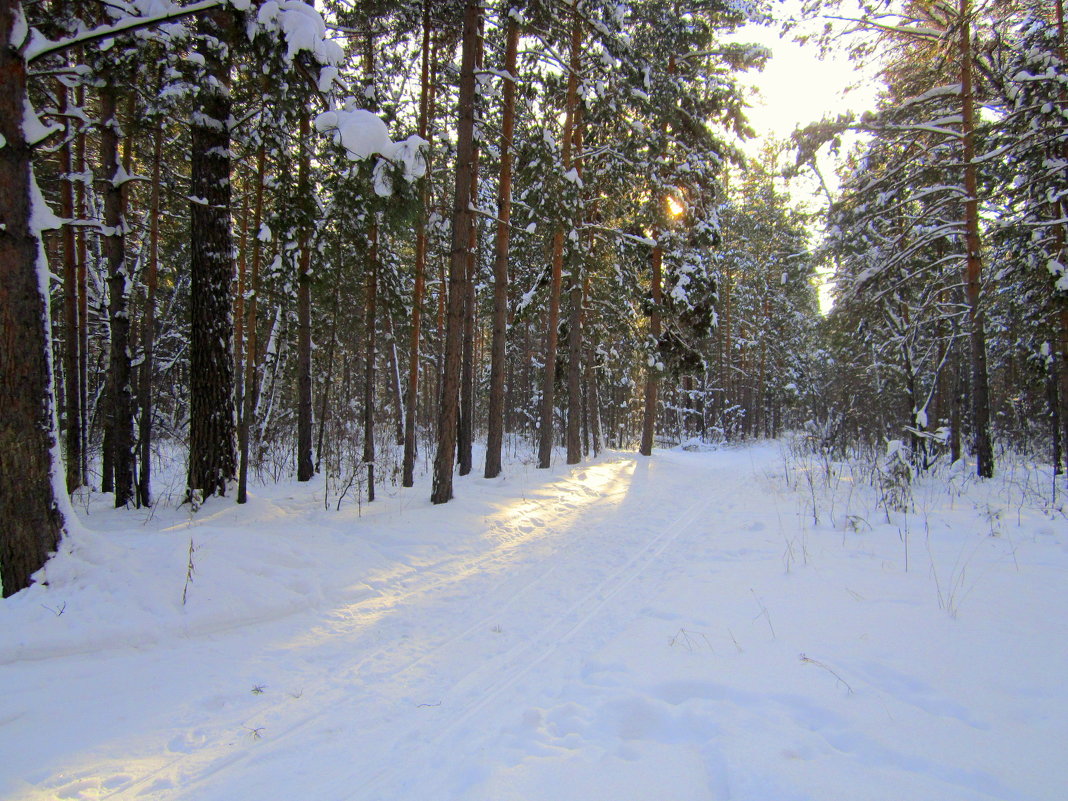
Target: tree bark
{"points": [[31, 523], [412, 395], [574, 330], [72, 371], [120, 399], [498, 356], [545, 429], [652, 380], [461, 225], [251, 345], [212, 462], [466, 433], [144, 478], [982, 444], [369, 375], [305, 467]]}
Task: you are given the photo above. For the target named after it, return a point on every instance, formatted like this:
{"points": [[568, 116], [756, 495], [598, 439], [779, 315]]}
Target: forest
{"points": [[371, 241]]}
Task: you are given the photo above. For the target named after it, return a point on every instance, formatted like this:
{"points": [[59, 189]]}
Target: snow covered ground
{"points": [[692, 626]]}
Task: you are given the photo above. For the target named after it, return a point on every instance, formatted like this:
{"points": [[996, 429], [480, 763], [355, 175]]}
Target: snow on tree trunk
{"points": [[31, 521]]}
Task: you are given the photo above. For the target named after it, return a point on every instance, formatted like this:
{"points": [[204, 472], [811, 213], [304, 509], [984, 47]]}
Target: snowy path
{"points": [[629, 629]]}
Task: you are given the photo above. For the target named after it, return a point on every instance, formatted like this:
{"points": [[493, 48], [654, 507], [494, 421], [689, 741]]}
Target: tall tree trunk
{"points": [[1061, 211], [594, 398], [395, 380], [144, 478], [83, 290], [212, 462], [120, 400], [982, 444], [548, 383], [461, 225], [548, 386], [412, 400], [369, 375], [652, 380], [466, 433], [251, 345], [31, 475], [574, 330], [324, 405], [305, 467], [498, 356], [71, 339]]}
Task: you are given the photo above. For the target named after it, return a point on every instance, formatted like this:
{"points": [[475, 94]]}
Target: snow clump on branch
{"points": [[363, 134], [302, 27]]}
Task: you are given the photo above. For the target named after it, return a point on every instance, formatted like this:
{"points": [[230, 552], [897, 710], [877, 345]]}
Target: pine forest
{"points": [[484, 385]]}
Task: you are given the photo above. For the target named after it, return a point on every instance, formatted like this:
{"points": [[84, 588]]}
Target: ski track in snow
{"points": [[622, 629]]}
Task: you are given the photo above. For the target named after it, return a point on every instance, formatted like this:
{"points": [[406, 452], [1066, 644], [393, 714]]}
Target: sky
{"points": [[797, 88]]}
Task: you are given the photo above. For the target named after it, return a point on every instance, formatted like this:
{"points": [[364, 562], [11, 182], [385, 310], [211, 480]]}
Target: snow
{"points": [[303, 28], [363, 134], [699, 625]]}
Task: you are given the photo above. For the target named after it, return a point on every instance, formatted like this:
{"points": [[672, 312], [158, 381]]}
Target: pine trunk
{"points": [[144, 478], [982, 445], [546, 424], [574, 330], [461, 225], [120, 400], [498, 353], [212, 461], [305, 468], [466, 433], [30, 520], [369, 374], [251, 345], [412, 396], [71, 338], [652, 380]]}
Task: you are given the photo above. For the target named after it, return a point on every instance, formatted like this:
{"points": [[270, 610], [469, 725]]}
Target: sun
{"points": [[675, 209]]}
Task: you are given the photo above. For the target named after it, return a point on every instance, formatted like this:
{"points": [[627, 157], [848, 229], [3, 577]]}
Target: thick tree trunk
{"points": [[461, 225], [30, 476], [498, 356], [212, 461], [305, 468], [984, 451], [120, 400]]}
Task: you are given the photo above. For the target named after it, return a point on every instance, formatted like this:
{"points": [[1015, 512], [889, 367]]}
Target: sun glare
{"points": [[675, 209]]}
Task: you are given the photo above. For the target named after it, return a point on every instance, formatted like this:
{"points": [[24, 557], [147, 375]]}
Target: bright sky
{"points": [[795, 89]]}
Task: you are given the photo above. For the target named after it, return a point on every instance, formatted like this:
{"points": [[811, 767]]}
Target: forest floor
{"points": [[732, 624]]}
